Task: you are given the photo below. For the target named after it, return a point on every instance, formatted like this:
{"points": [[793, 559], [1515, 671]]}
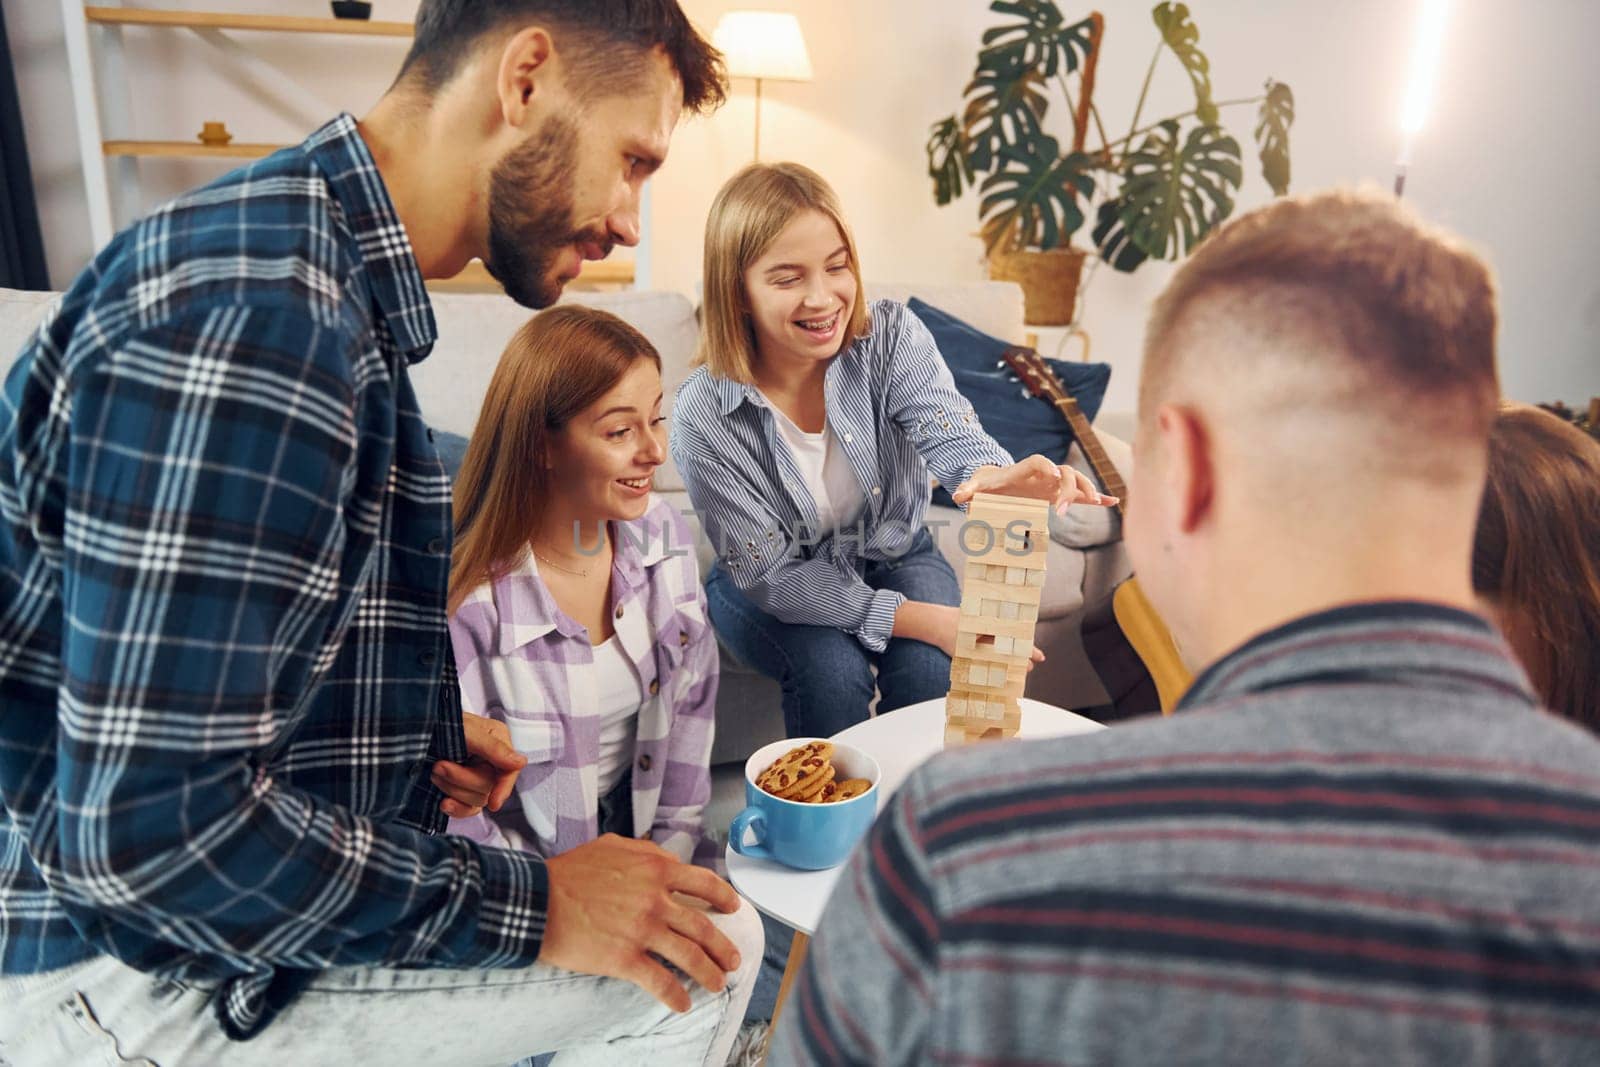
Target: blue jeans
{"points": [[103, 1011], [826, 674]]}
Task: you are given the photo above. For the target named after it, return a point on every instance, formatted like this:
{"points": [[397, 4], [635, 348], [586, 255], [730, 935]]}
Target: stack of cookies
{"points": [[806, 775]]}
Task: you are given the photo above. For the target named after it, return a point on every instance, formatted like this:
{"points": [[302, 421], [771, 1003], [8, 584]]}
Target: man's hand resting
{"points": [[612, 905]]}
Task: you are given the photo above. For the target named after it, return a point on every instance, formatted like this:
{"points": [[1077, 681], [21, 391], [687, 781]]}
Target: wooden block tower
{"points": [[1005, 539]]}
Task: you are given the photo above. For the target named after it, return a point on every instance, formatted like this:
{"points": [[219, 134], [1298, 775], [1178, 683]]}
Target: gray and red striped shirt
{"points": [[1359, 841]]}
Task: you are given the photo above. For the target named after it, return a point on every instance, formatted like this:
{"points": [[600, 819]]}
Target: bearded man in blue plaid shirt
{"points": [[229, 708]]}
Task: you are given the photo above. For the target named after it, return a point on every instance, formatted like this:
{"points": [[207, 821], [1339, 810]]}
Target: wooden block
{"points": [[1002, 585], [1033, 513], [1011, 690], [994, 627], [1002, 500], [1027, 591]]}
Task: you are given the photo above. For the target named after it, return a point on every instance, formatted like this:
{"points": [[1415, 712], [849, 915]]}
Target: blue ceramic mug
{"points": [[811, 837]]}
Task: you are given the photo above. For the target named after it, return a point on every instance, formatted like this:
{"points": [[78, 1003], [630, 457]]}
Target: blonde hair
{"points": [[556, 365], [747, 216], [1403, 314]]}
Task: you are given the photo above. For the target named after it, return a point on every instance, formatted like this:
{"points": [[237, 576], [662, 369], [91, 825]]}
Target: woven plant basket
{"points": [[1049, 282]]}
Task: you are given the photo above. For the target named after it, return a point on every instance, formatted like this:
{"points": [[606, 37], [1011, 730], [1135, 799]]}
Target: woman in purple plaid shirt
{"points": [[576, 611]]}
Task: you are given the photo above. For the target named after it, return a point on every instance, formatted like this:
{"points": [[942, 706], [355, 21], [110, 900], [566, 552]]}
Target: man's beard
{"points": [[530, 214]]}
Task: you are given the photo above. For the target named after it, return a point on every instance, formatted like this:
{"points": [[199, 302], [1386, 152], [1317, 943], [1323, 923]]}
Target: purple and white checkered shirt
{"points": [[523, 661]]}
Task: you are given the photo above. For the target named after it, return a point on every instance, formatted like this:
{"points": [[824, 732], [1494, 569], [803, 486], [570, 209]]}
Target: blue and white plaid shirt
{"points": [[224, 546]]}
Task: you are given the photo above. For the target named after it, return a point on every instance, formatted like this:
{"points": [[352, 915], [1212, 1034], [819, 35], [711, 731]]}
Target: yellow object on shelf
{"points": [[214, 134]]}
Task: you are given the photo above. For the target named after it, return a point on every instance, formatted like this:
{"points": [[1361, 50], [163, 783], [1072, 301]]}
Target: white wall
{"points": [[1509, 158]]}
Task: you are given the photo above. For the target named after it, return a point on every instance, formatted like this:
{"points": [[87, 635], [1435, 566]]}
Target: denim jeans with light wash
{"points": [[103, 1011], [826, 674]]}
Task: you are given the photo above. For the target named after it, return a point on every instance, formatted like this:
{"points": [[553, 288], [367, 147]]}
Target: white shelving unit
{"points": [[97, 62]]}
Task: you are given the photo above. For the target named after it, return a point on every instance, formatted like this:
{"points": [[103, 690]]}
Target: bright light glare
{"points": [[1424, 65]]}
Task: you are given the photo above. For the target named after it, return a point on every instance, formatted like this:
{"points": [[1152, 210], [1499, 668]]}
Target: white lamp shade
{"points": [[763, 44]]}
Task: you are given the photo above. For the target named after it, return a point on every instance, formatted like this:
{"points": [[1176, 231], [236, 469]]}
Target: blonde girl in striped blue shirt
{"points": [[806, 437]]}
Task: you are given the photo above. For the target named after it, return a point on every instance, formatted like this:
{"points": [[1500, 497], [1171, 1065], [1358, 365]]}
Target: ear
{"points": [[525, 70], [1189, 468]]}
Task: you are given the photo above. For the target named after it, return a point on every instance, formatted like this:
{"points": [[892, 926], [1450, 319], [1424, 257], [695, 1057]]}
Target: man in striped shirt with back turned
{"points": [[1358, 839]]}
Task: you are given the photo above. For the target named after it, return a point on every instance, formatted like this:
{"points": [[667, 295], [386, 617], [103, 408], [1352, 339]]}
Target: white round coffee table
{"points": [[899, 741]]}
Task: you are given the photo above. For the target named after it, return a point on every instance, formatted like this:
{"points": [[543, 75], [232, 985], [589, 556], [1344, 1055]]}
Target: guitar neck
{"points": [[1104, 469]]}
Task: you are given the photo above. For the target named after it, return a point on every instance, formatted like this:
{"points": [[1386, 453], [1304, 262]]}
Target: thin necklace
{"points": [[546, 559]]}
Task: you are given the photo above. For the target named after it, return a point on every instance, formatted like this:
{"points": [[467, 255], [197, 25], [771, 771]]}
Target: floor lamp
{"points": [[766, 46]]}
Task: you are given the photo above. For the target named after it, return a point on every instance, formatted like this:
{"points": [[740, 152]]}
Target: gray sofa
{"points": [[1086, 559]]}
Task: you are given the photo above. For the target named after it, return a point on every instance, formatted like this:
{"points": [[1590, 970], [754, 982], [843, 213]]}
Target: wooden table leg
{"points": [[797, 956]]}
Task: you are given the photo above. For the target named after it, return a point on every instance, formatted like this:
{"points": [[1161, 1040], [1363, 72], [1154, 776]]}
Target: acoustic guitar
{"points": [[1130, 647]]}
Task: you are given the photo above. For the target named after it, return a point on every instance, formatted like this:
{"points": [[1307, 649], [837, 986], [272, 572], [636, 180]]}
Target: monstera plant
{"points": [[1153, 192]]}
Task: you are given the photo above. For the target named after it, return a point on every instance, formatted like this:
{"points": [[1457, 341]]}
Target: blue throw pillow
{"points": [[452, 448], [1022, 424]]}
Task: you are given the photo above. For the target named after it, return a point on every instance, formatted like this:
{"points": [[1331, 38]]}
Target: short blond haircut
{"points": [[1354, 289], [748, 215]]}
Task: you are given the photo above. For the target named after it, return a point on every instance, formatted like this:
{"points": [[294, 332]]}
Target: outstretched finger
{"points": [[659, 982], [464, 794], [691, 959], [457, 810], [461, 777], [699, 882], [502, 790], [690, 920]]}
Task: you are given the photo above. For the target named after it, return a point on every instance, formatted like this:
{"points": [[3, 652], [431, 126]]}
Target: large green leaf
{"points": [[1041, 41], [1272, 135], [1031, 201], [1172, 193], [1181, 36], [1004, 109], [947, 160], [1111, 238]]}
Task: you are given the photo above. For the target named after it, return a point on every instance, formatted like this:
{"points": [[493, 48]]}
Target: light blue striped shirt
{"points": [[893, 406]]}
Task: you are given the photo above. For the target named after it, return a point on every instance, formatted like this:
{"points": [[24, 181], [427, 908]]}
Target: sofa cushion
{"points": [[20, 313], [993, 307], [474, 329], [1022, 424]]}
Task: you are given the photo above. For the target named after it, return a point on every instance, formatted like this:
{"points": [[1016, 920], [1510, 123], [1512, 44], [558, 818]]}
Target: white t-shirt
{"points": [[826, 471], [618, 695]]}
